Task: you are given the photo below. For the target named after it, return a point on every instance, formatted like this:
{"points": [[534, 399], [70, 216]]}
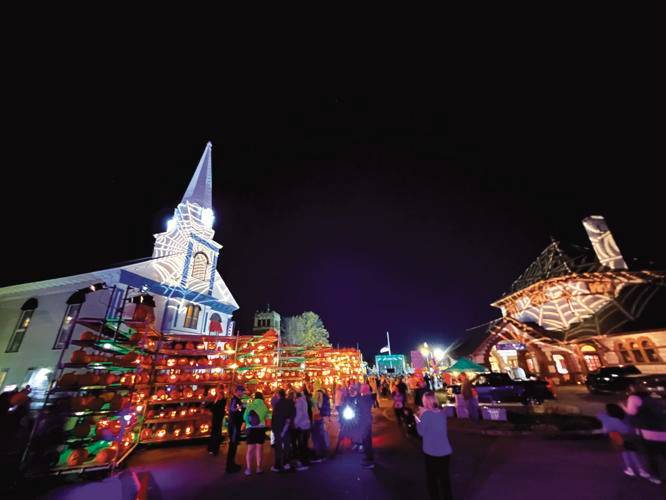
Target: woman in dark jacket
{"points": [[217, 407]]}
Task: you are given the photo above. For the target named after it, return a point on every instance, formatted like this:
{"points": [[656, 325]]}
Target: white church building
{"points": [[37, 319]]}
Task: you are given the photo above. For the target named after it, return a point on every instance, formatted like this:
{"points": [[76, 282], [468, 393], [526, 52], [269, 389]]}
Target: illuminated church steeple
{"points": [[188, 239]]}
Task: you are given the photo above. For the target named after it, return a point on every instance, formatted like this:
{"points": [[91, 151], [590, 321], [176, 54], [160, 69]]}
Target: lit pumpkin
{"points": [[81, 430], [201, 347], [161, 433], [189, 346], [110, 379], [80, 356], [177, 431], [171, 362], [188, 430], [204, 428], [146, 433], [182, 361], [178, 347], [77, 457], [188, 393], [87, 335], [173, 378], [68, 380], [105, 456]]}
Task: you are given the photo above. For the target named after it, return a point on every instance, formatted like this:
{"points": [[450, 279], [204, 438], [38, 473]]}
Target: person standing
{"points": [[398, 405], [217, 407], [467, 391], [255, 423], [431, 426], [340, 395], [236, 410], [365, 404], [284, 412], [623, 436], [302, 429], [402, 389]]}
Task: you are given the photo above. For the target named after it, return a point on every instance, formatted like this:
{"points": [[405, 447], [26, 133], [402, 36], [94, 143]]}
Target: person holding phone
{"points": [[431, 426]]}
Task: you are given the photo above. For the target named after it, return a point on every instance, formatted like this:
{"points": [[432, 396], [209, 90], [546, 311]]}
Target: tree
{"points": [[306, 329]]}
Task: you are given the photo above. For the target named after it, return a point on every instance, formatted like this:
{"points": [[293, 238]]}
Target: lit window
{"points": [[192, 316], [650, 351], [200, 266], [22, 326], [624, 353], [636, 351], [67, 325], [560, 364]]}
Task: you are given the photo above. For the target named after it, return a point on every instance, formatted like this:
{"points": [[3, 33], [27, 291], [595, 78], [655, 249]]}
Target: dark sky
{"points": [[398, 205]]}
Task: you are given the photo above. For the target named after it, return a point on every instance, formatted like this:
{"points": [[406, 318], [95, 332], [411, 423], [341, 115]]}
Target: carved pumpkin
{"points": [[81, 430], [105, 456], [161, 433], [96, 404], [188, 430], [178, 347], [182, 361], [77, 457], [177, 431], [80, 356], [204, 428], [173, 378], [68, 380], [189, 346], [171, 362], [146, 433], [87, 335]]}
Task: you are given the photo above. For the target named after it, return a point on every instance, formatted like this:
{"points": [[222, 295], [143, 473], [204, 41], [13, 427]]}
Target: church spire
{"points": [[199, 190]]}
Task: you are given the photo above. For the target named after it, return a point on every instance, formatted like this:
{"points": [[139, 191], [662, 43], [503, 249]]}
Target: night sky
{"points": [[406, 207]]}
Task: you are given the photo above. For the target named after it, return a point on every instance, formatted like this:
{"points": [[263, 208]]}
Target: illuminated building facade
{"points": [[575, 310], [36, 319]]}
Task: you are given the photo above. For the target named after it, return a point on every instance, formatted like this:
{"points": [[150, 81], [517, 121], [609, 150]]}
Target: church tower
{"points": [[189, 234]]}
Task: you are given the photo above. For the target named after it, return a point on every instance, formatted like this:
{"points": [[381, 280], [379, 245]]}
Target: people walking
{"points": [[623, 436], [284, 412], [648, 416], [216, 406], [255, 423], [236, 411], [432, 427]]}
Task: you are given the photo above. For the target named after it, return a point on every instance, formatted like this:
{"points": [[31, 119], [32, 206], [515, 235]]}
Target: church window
{"points": [[192, 316], [27, 311], [200, 266]]}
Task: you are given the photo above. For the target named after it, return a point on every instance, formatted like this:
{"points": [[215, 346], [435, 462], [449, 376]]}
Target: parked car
{"points": [[654, 385], [500, 388], [612, 379]]}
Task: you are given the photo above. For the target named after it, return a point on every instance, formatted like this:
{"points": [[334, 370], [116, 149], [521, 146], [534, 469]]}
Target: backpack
{"points": [[253, 418], [325, 410]]}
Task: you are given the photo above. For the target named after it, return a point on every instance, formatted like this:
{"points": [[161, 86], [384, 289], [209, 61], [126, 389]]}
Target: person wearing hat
{"points": [[236, 412]]}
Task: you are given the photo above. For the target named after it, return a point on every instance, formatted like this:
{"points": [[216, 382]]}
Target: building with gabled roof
{"points": [[181, 276], [575, 310]]}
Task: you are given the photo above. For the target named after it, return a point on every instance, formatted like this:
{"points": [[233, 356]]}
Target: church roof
{"points": [[200, 189]]}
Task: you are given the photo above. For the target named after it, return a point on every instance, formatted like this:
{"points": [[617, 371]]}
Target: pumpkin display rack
{"points": [[188, 369], [94, 411]]}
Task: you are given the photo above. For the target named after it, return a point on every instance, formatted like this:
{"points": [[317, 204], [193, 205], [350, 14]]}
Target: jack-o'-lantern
{"points": [[212, 392], [161, 378], [182, 361], [146, 433], [183, 413], [173, 378], [188, 430], [178, 347], [189, 346], [105, 456], [161, 394], [80, 356], [195, 377], [81, 430], [205, 377], [188, 393], [177, 431], [68, 380], [171, 362], [150, 414], [145, 378], [96, 404], [161, 433], [77, 457], [87, 335], [201, 347], [204, 428]]}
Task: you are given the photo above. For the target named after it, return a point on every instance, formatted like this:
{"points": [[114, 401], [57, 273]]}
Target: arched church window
{"points": [[200, 266], [27, 309], [625, 354], [192, 316], [650, 351], [71, 312], [636, 351]]}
